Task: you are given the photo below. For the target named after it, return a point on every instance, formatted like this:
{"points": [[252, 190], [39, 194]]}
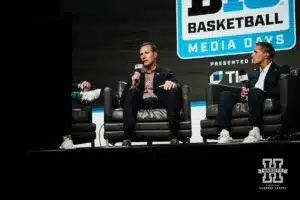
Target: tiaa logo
{"points": [[210, 28]]}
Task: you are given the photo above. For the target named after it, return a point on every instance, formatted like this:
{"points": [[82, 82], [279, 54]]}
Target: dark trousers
{"points": [[169, 99], [228, 100]]}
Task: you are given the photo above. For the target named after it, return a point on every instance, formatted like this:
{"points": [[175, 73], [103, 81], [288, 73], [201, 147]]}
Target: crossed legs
{"points": [[87, 96], [224, 117]]}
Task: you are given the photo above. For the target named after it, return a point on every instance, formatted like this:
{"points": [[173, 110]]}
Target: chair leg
{"points": [[93, 143], [106, 143], [185, 140], [188, 140], [149, 143], [204, 140]]}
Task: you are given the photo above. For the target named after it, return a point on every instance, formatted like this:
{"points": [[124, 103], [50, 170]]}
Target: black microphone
{"points": [[243, 78], [138, 68]]}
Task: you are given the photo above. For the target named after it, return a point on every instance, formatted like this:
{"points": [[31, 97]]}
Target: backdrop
{"points": [[202, 41]]}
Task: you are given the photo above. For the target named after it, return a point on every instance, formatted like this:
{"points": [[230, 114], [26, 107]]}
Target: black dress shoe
{"points": [[174, 141], [126, 143]]}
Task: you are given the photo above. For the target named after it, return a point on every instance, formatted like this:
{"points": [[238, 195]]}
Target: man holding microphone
{"points": [[151, 87], [263, 84]]}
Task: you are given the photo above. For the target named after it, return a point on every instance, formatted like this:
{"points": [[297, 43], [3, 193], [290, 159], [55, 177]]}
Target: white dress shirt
{"points": [[261, 80]]}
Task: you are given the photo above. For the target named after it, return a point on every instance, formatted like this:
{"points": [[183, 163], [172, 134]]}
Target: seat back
{"points": [[81, 113]]}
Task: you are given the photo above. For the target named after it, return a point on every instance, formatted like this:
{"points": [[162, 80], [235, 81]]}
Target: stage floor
{"points": [[190, 169], [208, 147]]}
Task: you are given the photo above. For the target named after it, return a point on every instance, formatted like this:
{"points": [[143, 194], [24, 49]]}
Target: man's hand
{"points": [[85, 86], [135, 77], [244, 93], [168, 85]]}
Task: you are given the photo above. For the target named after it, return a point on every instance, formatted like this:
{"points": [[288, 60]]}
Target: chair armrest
{"points": [[283, 88], [288, 86], [289, 102], [213, 91], [108, 103], [186, 107]]}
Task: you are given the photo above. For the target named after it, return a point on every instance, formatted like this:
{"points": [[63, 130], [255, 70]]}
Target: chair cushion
{"points": [[270, 106], [84, 127], [146, 135], [185, 125], [83, 137], [144, 115]]}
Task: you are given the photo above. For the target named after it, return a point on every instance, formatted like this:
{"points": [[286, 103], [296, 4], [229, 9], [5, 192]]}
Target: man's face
{"points": [[259, 55], [148, 57]]}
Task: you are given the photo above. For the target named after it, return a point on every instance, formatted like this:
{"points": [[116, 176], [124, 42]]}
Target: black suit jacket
{"points": [[161, 75], [271, 83]]}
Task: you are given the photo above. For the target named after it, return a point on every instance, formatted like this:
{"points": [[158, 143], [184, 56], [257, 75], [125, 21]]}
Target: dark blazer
{"points": [[271, 84], [160, 77]]}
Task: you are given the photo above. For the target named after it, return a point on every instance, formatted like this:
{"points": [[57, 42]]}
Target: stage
{"points": [[174, 170]]}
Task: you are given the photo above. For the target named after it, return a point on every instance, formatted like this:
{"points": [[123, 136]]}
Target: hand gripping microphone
{"points": [[138, 68], [243, 78]]}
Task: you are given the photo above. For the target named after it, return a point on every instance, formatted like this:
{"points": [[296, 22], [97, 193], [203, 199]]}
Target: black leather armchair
{"points": [[151, 124], [83, 128], [277, 114]]}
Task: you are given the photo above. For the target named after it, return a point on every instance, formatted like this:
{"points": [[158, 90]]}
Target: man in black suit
{"points": [[263, 83], [151, 87]]}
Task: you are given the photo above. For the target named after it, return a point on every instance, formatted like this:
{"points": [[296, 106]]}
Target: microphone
{"points": [[138, 68], [243, 78]]}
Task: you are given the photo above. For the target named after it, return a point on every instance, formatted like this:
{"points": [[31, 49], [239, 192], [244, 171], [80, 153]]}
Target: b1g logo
{"points": [[207, 28]]}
